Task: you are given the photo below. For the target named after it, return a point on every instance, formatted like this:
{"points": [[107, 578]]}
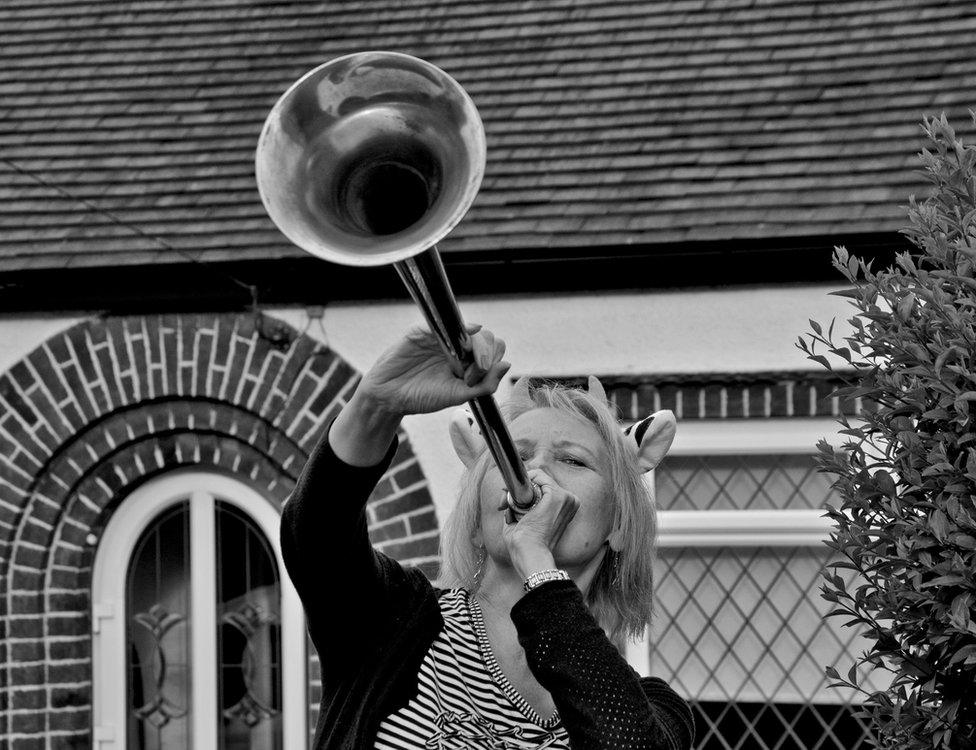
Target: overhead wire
{"points": [[134, 228], [277, 338]]}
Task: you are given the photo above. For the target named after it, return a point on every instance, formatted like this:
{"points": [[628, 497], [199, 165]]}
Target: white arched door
{"points": [[198, 636]]}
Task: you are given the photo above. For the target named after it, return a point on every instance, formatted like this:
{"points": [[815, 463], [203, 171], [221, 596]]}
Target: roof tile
{"points": [[127, 131]]}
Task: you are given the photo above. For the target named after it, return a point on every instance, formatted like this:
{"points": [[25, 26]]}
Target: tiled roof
{"points": [[127, 129]]}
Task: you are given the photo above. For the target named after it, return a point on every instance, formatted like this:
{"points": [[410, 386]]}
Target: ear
{"points": [[520, 391], [652, 437], [466, 437], [595, 388], [616, 540]]}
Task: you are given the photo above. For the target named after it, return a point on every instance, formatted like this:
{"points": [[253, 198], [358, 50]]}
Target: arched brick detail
{"points": [[94, 412]]}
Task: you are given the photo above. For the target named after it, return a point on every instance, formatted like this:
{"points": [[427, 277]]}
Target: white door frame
{"points": [[112, 558]]}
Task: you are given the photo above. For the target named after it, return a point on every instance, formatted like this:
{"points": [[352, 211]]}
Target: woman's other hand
{"points": [[533, 539], [414, 376]]}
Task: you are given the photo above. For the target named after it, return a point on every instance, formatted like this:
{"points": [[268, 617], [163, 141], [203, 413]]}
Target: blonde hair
{"points": [[621, 608]]}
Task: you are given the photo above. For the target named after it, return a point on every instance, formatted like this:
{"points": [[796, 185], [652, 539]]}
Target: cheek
{"points": [[492, 489], [490, 495], [596, 513]]}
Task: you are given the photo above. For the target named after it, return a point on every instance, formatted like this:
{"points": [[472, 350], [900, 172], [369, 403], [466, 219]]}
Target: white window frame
{"points": [[111, 566], [741, 528]]}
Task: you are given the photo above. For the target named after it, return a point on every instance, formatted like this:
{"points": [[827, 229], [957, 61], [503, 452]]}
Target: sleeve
{"points": [[349, 591], [602, 701]]}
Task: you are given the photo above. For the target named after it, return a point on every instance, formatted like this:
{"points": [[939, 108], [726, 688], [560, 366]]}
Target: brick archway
{"points": [[97, 410]]}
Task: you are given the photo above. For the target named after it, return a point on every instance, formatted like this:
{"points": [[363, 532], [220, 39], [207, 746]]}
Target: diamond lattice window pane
{"points": [[747, 625], [740, 482], [741, 631]]}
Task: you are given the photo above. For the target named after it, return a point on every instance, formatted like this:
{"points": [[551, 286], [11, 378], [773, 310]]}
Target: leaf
{"points": [[960, 610], [951, 579], [941, 360], [820, 359], [939, 524], [816, 327], [905, 306], [885, 483], [966, 541], [964, 653]]}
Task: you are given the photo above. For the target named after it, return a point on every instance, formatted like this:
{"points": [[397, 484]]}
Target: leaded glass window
{"points": [[158, 613], [249, 638], [741, 630], [741, 482], [203, 580]]}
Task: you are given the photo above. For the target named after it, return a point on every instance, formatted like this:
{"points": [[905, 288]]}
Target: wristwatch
{"points": [[544, 576]]}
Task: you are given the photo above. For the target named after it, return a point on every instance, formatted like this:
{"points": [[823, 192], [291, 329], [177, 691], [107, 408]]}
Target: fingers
{"points": [[486, 349], [553, 494], [542, 480], [486, 352], [483, 348], [489, 381]]}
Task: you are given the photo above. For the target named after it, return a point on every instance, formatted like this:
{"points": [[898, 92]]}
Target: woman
{"points": [[514, 652]]}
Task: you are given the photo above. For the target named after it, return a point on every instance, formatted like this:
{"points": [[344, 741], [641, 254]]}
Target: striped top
{"points": [[463, 699]]}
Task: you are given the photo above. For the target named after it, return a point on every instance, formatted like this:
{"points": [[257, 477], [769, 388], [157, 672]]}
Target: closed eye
{"points": [[572, 461]]}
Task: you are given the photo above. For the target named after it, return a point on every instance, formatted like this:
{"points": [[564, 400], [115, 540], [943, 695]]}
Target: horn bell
{"points": [[370, 158]]}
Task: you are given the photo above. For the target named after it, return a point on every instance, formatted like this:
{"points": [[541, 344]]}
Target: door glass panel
{"points": [[157, 635], [249, 635]]}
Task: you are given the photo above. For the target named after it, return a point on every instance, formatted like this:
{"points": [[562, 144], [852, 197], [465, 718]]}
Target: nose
{"points": [[537, 460]]}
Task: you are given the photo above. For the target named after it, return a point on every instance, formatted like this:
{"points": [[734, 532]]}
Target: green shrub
{"points": [[906, 475]]}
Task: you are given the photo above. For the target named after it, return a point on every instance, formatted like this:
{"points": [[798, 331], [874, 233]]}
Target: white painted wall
{"points": [[19, 336], [708, 330]]}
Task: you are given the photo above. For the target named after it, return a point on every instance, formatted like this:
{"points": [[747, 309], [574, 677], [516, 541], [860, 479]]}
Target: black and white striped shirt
{"points": [[463, 699]]}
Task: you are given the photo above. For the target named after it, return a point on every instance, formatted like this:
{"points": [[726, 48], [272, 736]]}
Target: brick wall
{"points": [[745, 395], [97, 410]]}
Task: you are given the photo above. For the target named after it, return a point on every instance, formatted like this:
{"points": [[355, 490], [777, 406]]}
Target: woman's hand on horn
{"points": [[414, 376], [531, 542]]}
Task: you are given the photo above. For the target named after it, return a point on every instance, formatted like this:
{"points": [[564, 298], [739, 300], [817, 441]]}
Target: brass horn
{"points": [[371, 159]]}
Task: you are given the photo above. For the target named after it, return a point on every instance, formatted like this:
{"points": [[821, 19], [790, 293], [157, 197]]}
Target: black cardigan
{"points": [[373, 622]]}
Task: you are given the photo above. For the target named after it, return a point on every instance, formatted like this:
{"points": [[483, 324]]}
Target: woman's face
{"points": [[570, 450]]}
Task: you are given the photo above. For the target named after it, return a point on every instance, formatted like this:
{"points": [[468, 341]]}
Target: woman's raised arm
{"points": [[350, 592]]}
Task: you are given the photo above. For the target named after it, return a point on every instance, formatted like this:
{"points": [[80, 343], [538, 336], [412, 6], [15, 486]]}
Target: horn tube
{"points": [[371, 159]]}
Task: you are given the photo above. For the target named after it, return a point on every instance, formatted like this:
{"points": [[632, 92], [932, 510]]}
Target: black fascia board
{"points": [[307, 280]]}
